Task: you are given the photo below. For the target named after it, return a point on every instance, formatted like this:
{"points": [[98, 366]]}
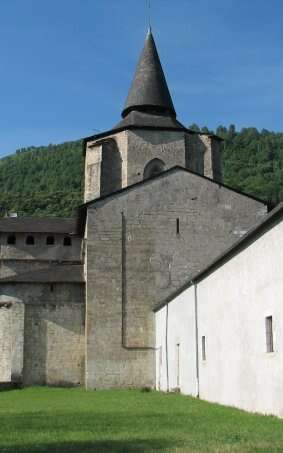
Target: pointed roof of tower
{"points": [[149, 92]]}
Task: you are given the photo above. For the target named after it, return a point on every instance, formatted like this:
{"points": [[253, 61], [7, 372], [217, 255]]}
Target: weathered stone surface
{"points": [[145, 145], [136, 258], [43, 333], [54, 344], [95, 177], [11, 339], [17, 341], [119, 160], [5, 344], [40, 250]]}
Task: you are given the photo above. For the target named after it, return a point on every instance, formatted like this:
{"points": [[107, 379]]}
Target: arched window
{"points": [[11, 239], [50, 240], [153, 168], [67, 241], [30, 240]]}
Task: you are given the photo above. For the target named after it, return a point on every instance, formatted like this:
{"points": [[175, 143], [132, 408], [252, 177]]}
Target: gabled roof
{"points": [[164, 174], [82, 209], [255, 232], [38, 225], [149, 91]]}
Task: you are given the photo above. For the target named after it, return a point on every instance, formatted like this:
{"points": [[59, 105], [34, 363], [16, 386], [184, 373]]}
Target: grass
{"points": [[50, 420]]}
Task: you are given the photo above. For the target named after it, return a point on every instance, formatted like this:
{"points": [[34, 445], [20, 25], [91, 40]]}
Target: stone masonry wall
{"points": [[93, 167], [40, 251], [5, 344], [145, 145], [17, 341], [197, 152], [203, 155], [46, 332], [11, 340], [54, 345], [141, 246]]}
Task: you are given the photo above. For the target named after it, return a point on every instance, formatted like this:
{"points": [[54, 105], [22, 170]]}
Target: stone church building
{"points": [[77, 296]]}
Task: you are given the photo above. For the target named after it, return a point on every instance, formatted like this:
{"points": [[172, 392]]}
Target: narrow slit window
{"points": [[50, 240], [67, 241], [203, 348], [178, 226], [30, 240], [11, 239], [269, 334]]}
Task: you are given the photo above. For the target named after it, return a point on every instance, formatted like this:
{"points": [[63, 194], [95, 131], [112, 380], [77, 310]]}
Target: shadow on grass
{"points": [[65, 433], [115, 446]]}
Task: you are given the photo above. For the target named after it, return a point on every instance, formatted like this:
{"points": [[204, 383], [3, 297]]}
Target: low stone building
{"points": [[78, 294]]}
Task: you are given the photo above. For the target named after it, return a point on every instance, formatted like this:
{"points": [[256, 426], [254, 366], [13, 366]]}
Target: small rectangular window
{"points": [[50, 240], [178, 226], [67, 241], [269, 334], [203, 348], [11, 239], [30, 240]]}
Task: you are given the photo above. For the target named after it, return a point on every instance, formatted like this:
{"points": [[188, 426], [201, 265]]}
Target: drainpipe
{"points": [[166, 346], [196, 335]]}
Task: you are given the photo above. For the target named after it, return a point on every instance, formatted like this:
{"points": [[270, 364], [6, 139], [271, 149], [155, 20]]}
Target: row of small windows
{"points": [[30, 240], [268, 335]]}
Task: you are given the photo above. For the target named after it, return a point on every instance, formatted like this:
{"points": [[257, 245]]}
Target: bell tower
{"points": [[149, 139]]}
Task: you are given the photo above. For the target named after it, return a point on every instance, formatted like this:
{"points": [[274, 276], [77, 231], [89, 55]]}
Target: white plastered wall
{"points": [[233, 303], [175, 342]]}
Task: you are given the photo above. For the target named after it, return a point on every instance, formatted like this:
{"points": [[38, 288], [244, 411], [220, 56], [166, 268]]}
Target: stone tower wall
{"points": [[146, 145], [95, 150], [203, 155], [132, 150]]}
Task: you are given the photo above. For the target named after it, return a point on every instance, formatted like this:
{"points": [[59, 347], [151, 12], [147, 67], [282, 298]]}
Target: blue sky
{"points": [[66, 65]]}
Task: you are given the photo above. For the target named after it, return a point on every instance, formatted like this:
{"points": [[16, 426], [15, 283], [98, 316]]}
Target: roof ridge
{"points": [[163, 174]]}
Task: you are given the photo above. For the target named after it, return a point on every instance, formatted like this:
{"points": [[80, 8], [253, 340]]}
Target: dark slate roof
{"points": [[253, 234], [149, 104], [143, 119], [149, 90], [38, 225], [64, 273], [146, 122]]}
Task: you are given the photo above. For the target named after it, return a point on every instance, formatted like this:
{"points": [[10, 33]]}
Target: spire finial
{"points": [[149, 16]]}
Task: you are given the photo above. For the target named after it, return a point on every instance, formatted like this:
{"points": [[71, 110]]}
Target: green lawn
{"points": [[72, 420]]}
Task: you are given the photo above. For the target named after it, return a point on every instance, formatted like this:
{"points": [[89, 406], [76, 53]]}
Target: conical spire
{"points": [[149, 92]]}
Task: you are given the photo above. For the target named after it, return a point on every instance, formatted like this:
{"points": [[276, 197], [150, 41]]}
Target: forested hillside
{"points": [[49, 180], [40, 181], [252, 161]]}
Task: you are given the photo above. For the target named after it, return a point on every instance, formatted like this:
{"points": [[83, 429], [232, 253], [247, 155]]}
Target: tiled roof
{"points": [[38, 225]]}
